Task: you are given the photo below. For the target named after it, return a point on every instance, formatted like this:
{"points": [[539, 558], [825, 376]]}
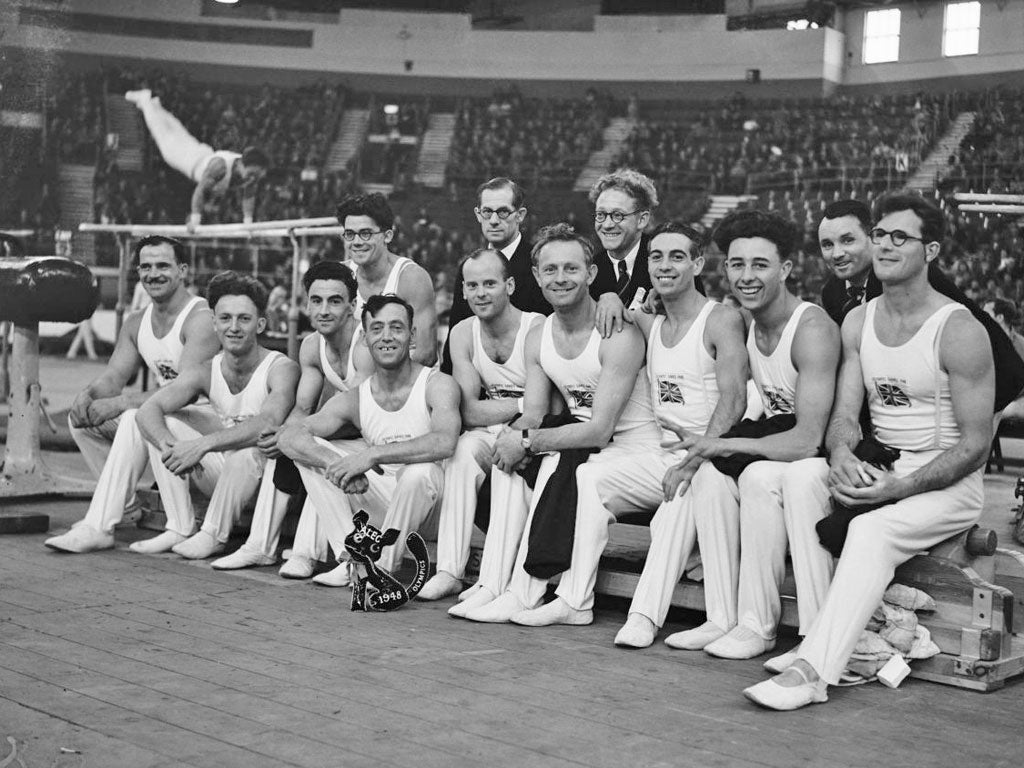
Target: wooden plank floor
{"points": [[128, 660]]}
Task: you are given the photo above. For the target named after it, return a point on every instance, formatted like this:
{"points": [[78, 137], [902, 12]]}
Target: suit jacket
{"points": [[1008, 364], [527, 295], [607, 277]]}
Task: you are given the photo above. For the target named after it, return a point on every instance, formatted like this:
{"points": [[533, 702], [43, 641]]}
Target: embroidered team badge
{"points": [[583, 397], [167, 373], [670, 392], [775, 400], [504, 392], [891, 394]]}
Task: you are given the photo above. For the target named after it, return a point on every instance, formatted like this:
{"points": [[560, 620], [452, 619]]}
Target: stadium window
{"points": [[960, 32], [882, 36]]}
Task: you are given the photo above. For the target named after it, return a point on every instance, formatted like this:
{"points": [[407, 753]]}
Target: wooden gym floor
{"points": [[116, 659]]}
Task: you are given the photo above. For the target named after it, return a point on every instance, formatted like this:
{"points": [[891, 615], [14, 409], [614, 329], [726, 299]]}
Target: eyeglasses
{"points": [[898, 237], [616, 216], [364, 234], [486, 213]]}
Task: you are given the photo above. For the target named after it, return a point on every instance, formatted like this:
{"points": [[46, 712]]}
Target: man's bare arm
{"points": [[281, 382], [296, 439], [190, 384], [101, 399], [216, 170], [844, 427], [476, 411], [728, 343], [416, 287]]}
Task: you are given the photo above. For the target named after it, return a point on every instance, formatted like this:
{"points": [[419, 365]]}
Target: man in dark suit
{"points": [[844, 235], [501, 210], [623, 202]]}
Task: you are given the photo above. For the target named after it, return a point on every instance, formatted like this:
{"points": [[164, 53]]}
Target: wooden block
{"points": [[24, 522]]}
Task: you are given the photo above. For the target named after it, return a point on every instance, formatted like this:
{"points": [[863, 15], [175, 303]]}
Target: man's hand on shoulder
{"points": [[611, 314]]}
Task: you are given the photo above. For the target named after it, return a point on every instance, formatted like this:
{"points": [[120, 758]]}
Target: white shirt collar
{"points": [[630, 259], [510, 249]]}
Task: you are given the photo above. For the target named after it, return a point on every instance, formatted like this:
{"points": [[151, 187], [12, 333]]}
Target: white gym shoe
{"points": [[773, 695], [637, 632], [80, 539], [162, 543], [198, 546], [695, 639], [242, 558], [740, 643], [338, 577], [296, 567], [481, 596], [556, 612], [441, 585]]}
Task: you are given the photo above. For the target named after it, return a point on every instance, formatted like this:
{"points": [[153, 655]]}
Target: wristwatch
{"points": [[526, 442]]}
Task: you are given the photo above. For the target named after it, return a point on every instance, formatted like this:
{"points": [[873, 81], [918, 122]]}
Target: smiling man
{"points": [[923, 365], [408, 415], [843, 236], [174, 332], [603, 382], [332, 359], [489, 364], [793, 349], [368, 228], [250, 389]]}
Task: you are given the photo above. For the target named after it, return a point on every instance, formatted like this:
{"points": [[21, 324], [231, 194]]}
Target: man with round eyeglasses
{"points": [[368, 228], [501, 210], [848, 240]]}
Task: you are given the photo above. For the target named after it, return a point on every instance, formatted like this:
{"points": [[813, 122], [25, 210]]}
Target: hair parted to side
{"points": [[933, 225], [503, 182], [697, 238], [233, 284], [561, 233], [377, 302], [855, 208], [374, 205], [180, 254], [754, 223], [329, 269], [1005, 309], [506, 269], [255, 156], [641, 188]]}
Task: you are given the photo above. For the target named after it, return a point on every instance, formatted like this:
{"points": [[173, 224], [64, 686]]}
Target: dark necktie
{"points": [[623, 280], [854, 297]]}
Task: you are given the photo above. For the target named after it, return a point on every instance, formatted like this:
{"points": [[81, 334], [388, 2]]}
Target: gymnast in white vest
{"points": [[173, 332], [925, 366], [488, 353], [250, 389]]}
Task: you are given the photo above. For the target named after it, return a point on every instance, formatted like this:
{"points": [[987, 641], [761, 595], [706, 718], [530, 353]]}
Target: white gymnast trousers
{"points": [[179, 148], [463, 475], [402, 498]]}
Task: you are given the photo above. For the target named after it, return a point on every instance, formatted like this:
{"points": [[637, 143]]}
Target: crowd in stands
{"points": [[736, 147], [542, 142]]}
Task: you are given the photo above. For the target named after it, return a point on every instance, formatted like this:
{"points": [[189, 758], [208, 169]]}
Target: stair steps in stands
{"points": [[935, 166], [124, 119], [435, 148], [75, 198], [351, 135], [721, 206], [615, 135]]}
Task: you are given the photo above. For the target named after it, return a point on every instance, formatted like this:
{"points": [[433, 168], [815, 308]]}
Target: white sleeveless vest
{"points": [[390, 285], [228, 157], [381, 427], [340, 384], [231, 408], [775, 374], [577, 380], [907, 390], [163, 356], [684, 388], [505, 380]]}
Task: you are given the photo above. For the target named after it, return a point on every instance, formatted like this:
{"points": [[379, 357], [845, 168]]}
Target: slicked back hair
{"points": [[754, 223], [376, 303], [329, 269], [503, 182], [561, 233], [855, 208], [506, 270], [374, 205], [255, 156], [698, 240], [933, 225], [180, 254], [641, 188], [1006, 310], [233, 284]]}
